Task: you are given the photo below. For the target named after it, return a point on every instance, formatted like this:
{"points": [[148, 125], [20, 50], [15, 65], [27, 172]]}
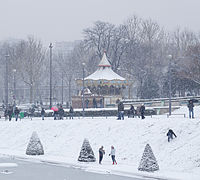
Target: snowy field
{"points": [[62, 141]]}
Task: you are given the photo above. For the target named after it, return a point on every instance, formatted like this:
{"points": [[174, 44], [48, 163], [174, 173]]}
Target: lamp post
{"points": [[170, 85], [83, 101], [6, 80], [14, 85], [62, 90], [50, 75]]}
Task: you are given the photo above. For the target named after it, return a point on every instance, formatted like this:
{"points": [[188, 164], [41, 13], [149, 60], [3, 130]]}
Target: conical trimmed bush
{"points": [[148, 162], [35, 146], [86, 154]]}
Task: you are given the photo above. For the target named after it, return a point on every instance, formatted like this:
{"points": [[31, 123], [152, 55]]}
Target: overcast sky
{"points": [[64, 20]]}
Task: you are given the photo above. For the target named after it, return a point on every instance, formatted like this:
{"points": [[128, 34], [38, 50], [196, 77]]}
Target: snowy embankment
{"points": [[62, 141]]}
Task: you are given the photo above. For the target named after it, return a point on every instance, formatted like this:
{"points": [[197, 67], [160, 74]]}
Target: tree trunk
{"points": [[31, 94]]}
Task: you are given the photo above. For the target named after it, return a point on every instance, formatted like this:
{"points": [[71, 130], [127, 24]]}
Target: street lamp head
{"points": [[170, 56], [83, 64]]}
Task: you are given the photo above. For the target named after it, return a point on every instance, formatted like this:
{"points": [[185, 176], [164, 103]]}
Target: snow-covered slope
{"points": [[62, 140]]}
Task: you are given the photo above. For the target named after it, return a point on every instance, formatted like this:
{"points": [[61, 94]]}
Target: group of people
{"points": [[59, 114], [112, 154], [132, 111], [12, 111], [95, 104], [170, 134]]}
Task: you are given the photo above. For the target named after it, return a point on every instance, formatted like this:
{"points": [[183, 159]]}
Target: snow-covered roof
{"points": [[104, 71], [104, 61]]}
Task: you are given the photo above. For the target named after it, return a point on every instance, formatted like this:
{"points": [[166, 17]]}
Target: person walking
{"points": [[120, 111], [6, 114], [101, 103], [170, 135], [191, 109], [94, 103], [87, 103], [71, 113], [42, 113], [10, 113], [112, 154], [142, 110], [16, 112], [131, 112], [31, 111], [61, 112], [101, 153]]}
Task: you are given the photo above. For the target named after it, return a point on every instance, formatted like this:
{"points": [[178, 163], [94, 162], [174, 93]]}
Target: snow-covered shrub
{"points": [[86, 154], [35, 146], [148, 162]]}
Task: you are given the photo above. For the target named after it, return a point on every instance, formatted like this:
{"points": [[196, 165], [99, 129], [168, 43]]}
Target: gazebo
{"points": [[105, 83]]}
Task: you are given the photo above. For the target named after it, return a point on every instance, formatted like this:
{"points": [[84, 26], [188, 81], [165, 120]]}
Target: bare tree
{"points": [[99, 37], [30, 60]]}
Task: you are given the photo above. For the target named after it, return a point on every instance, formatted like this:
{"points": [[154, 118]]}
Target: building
{"points": [[104, 84]]}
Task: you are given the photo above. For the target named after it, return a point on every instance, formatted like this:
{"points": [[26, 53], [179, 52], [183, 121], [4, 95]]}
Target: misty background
{"points": [[64, 20], [140, 38]]}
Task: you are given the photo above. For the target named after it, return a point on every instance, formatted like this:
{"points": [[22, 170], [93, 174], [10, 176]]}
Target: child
{"points": [[170, 135], [101, 153], [112, 153]]}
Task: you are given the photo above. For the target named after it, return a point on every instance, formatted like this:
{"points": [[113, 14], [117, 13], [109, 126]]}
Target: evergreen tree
{"points": [[86, 154], [148, 162], [35, 146]]}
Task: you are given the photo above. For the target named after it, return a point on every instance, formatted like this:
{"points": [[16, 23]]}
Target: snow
{"points": [[104, 61], [62, 140], [105, 73], [8, 165], [148, 162], [34, 146]]}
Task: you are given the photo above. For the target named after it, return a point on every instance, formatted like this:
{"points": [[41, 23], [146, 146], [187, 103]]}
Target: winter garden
{"points": [[138, 63]]}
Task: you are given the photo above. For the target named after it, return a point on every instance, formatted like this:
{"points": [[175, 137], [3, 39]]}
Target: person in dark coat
{"points": [[101, 153], [61, 112], [31, 112], [170, 135], [131, 112], [55, 115], [87, 103], [17, 111], [71, 113], [191, 109], [42, 113], [6, 114], [142, 110], [10, 113], [101, 103], [120, 111], [94, 103]]}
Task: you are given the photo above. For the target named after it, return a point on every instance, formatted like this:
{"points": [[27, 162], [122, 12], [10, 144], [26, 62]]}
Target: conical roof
{"points": [[104, 61], [104, 75], [104, 72]]}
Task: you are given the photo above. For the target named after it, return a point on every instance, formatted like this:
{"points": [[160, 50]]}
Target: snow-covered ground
{"points": [[62, 141]]}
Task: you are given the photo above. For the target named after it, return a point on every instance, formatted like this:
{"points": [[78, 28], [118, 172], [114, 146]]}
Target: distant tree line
{"points": [[137, 49]]}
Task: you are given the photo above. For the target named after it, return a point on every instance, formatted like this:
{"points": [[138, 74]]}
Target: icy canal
{"points": [[15, 169]]}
